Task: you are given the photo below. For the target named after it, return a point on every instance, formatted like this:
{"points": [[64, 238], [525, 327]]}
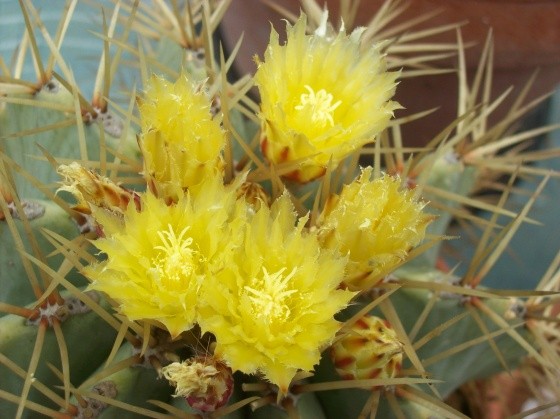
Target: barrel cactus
{"points": [[176, 248]]}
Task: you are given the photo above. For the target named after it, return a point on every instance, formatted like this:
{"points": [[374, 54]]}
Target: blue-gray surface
{"points": [[533, 247], [80, 49]]}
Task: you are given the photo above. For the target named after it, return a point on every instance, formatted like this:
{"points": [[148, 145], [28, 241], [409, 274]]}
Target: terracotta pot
{"points": [[526, 37]]}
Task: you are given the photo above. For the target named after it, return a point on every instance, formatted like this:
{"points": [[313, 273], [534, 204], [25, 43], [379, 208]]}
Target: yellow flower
{"points": [[271, 309], [375, 222], [181, 142], [322, 97], [159, 257]]}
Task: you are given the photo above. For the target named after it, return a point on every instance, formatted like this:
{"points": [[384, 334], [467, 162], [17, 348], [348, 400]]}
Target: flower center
{"points": [[269, 300], [318, 106], [176, 261]]}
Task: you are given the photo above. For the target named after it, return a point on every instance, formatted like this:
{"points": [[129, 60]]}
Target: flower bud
{"points": [[181, 140], [371, 349], [90, 188]]}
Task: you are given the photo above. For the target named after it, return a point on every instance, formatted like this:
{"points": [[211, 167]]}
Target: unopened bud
{"points": [[89, 187], [371, 349]]}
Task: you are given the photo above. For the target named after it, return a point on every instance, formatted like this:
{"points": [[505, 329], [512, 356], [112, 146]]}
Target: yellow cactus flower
{"points": [[272, 307], [181, 141], [323, 96], [376, 222], [158, 258]]}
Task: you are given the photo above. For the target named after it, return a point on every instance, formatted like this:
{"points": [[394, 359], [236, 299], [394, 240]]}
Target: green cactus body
{"points": [[447, 173], [60, 142], [307, 405], [88, 339], [134, 385], [15, 289]]}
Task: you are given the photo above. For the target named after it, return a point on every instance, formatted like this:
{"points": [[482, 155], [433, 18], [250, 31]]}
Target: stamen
{"points": [[177, 261], [269, 301], [318, 105]]}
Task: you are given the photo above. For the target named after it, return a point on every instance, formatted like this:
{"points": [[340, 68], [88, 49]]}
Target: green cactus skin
{"points": [[449, 174], [60, 143], [88, 339], [307, 406], [15, 288], [135, 385]]}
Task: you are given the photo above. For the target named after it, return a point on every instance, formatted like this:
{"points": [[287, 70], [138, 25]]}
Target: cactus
{"points": [[237, 255]]}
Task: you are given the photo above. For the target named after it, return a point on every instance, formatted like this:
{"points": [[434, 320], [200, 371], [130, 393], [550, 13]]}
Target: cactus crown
{"points": [[183, 237]]}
